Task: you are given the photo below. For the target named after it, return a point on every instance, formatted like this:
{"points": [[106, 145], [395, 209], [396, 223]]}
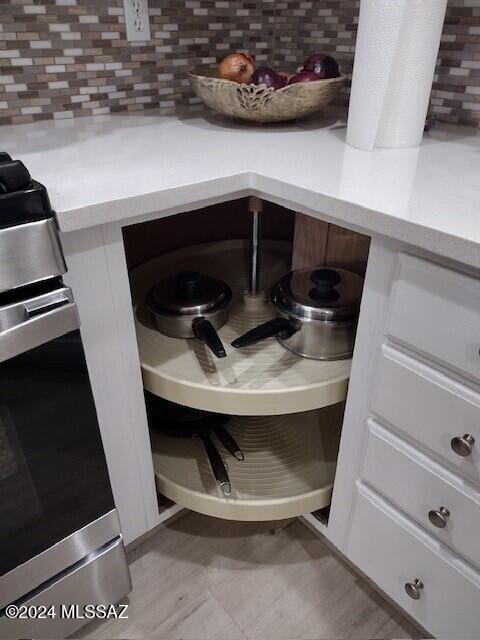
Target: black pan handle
{"points": [[228, 442], [204, 330], [277, 327], [216, 462]]}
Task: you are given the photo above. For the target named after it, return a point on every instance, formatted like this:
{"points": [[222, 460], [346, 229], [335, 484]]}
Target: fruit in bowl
{"points": [[304, 76], [268, 77], [323, 65], [239, 89], [238, 67]]}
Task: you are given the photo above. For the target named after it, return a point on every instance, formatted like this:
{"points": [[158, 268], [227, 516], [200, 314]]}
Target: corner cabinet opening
{"points": [[284, 412]]}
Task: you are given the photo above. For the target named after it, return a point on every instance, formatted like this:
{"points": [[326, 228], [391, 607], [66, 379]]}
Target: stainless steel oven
{"points": [[60, 540]]}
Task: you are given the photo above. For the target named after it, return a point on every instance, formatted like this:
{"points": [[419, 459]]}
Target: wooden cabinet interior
{"points": [[315, 242], [319, 243], [224, 221]]}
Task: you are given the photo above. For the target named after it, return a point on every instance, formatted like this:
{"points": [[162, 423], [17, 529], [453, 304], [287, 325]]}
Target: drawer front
{"points": [[421, 488], [437, 311], [392, 551], [428, 407]]}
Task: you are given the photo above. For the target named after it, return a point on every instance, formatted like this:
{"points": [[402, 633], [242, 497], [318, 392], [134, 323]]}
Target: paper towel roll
{"points": [[396, 51]]}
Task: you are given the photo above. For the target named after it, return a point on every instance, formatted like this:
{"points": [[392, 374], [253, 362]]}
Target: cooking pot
{"points": [[318, 314], [191, 305]]}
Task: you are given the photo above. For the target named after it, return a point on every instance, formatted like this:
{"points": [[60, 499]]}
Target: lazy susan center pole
{"points": [[255, 206]]}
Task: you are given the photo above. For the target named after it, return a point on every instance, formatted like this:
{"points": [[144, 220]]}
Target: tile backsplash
{"points": [[330, 25], [64, 58]]}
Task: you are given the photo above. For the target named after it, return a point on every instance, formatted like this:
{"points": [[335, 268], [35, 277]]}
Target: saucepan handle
{"points": [[216, 462], [228, 442], [282, 327], [204, 330]]}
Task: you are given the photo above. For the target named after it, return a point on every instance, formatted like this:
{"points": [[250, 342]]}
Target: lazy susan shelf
{"points": [[264, 379], [288, 469]]}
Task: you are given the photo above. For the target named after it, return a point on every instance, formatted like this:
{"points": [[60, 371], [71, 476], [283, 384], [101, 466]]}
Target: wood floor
{"points": [[208, 579]]}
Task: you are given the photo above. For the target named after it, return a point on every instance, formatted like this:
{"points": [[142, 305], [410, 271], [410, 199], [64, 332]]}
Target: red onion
{"points": [[304, 76], [321, 64], [267, 76]]}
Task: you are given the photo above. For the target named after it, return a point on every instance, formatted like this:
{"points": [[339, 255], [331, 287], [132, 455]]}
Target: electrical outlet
{"points": [[136, 20]]}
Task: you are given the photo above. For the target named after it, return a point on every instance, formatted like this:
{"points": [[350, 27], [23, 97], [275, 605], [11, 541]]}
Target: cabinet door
{"points": [[429, 407], [393, 552], [422, 489], [437, 311]]}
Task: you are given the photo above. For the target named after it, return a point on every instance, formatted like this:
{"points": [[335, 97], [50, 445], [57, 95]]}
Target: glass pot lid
{"points": [[319, 294], [189, 293]]}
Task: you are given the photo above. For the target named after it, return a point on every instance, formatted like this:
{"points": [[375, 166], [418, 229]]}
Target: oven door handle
{"points": [[39, 326]]}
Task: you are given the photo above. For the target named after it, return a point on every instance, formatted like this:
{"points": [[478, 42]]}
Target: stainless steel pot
{"points": [[318, 311], [191, 305]]}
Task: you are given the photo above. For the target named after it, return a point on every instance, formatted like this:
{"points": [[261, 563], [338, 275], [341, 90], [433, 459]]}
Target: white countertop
{"points": [[110, 168]]}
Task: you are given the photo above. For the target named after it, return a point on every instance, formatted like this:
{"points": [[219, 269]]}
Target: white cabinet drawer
{"points": [[437, 311], [429, 407], [393, 551], [419, 486]]}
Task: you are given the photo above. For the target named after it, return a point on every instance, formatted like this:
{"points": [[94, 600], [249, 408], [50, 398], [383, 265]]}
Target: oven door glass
{"points": [[53, 475]]}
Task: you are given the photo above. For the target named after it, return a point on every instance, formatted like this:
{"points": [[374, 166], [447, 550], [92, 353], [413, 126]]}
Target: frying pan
{"points": [[182, 422]]}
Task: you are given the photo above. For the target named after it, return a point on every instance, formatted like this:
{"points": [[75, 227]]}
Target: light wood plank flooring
{"points": [[208, 579]]}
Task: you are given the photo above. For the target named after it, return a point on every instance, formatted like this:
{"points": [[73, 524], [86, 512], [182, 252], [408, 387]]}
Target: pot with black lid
{"points": [[318, 311], [191, 305]]}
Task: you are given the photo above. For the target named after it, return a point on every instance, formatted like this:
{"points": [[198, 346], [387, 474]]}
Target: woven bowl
{"points": [[258, 103]]}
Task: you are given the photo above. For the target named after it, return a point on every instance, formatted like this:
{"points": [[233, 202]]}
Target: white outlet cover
{"points": [[137, 20]]}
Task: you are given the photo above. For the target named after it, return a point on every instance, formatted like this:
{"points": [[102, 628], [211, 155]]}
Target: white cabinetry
{"points": [[394, 553], [406, 502], [439, 501], [429, 408], [414, 387], [436, 311]]}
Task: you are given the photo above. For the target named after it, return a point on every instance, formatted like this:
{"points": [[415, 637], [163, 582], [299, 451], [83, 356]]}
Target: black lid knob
{"points": [[325, 278], [325, 281], [188, 282]]}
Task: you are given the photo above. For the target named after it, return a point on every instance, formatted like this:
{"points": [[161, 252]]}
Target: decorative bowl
{"points": [[261, 104]]}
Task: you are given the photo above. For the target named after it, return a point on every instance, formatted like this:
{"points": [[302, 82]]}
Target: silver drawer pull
{"points": [[439, 517], [463, 445], [414, 588]]}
